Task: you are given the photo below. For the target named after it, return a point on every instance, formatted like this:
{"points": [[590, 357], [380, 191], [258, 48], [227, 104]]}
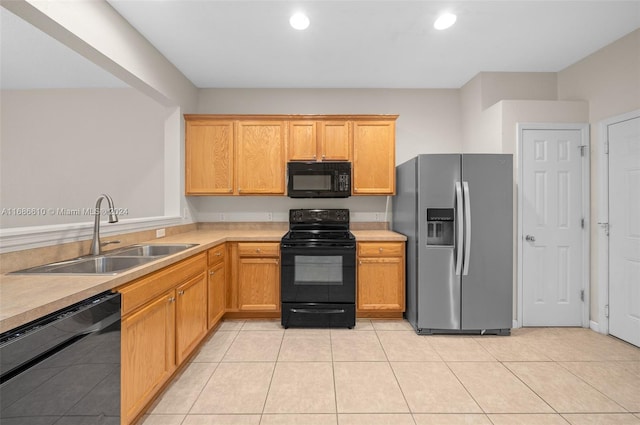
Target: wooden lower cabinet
{"points": [[148, 353], [259, 284], [381, 277], [164, 320], [256, 277], [191, 315], [217, 278]]}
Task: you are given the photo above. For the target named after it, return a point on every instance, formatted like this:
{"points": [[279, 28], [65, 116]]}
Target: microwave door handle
{"points": [[459, 228]]}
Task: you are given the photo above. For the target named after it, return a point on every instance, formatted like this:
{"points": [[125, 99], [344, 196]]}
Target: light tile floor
{"points": [[382, 373]]}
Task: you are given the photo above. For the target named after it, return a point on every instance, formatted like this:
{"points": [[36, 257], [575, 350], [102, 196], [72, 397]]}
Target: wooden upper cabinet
{"points": [[209, 158], [335, 138], [374, 161], [248, 154], [319, 141], [303, 144], [261, 157]]}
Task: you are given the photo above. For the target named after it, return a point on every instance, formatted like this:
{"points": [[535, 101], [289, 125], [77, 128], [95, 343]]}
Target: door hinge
{"points": [[582, 295], [606, 310], [605, 226], [582, 223], [606, 147], [582, 149]]}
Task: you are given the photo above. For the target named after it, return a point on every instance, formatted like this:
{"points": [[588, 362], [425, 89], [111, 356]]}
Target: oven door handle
{"points": [[317, 311]]}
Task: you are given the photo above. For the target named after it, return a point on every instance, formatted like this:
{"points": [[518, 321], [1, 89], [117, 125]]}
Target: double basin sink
{"points": [[111, 262]]}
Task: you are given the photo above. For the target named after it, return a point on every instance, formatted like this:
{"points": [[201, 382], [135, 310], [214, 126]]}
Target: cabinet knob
{"points": [[171, 299], [380, 249], [323, 156], [211, 273], [360, 262], [257, 249], [218, 254], [181, 292]]}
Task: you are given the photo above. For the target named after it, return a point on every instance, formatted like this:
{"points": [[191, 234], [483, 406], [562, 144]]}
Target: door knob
{"points": [[530, 238]]}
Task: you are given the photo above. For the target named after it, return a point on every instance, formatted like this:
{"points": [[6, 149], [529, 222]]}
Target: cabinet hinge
{"points": [[606, 310], [582, 149], [582, 295]]}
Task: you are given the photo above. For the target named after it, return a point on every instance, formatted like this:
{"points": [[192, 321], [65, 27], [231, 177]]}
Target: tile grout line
{"points": [[467, 390], [214, 370], [594, 388], [527, 385], [394, 374], [333, 372], [275, 364]]}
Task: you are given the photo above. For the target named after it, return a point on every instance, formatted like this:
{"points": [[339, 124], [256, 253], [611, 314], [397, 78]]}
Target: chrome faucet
{"points": [[96, 246]]}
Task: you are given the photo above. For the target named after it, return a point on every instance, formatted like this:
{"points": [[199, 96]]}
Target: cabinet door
{"points": [[191, 315], [148, 353], [258, 284], [335, 141], [209, 157], [302, 141], [374, 157], [381, 284], [217, 294], [261, 157]]}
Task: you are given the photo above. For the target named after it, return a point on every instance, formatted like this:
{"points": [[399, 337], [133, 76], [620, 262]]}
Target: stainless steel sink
{"points": [[151, 250], [101, 264], [109, 263]]}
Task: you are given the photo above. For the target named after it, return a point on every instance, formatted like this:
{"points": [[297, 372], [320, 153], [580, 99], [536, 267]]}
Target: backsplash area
{"points": [[276, 208]]}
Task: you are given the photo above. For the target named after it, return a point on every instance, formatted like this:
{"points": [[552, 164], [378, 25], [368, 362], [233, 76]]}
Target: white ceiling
{"points": [[349, 44]]}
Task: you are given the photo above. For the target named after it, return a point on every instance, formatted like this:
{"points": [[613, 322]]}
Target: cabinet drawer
{"points": [[259, 249], [216, 254], [144, 289], [380, 249]]}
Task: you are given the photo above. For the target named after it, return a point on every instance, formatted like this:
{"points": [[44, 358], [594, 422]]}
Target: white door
{"points": [[552, 228], [624, 230]]}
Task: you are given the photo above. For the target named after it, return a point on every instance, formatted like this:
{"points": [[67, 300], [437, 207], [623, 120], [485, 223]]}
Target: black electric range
{"points": [[318, 276]]}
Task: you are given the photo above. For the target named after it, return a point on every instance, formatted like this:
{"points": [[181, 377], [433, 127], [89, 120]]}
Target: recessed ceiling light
{"points": [[299, 21], [444, 21]]}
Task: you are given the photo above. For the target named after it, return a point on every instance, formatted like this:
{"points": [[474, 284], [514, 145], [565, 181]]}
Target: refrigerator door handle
{"points": [[467, 228], [459, 229]]}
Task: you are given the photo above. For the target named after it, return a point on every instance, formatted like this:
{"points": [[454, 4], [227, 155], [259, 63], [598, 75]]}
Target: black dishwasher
{"points": [[64, 369]]}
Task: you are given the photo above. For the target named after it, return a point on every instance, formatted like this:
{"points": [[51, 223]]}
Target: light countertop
{"points": [[24, 298]]}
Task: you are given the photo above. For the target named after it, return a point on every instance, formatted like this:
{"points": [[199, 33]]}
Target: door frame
{"points": [[584, 130], [603, 218]]}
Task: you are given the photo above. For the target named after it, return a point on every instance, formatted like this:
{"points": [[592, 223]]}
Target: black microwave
{"points": [[319, 179]]}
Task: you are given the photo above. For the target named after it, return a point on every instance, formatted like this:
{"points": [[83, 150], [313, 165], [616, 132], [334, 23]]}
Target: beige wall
{"points": [[63, 148], [479, 121], [609, 80]]}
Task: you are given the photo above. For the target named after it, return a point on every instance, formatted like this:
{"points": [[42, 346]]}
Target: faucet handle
{"points": [[108, 243]]}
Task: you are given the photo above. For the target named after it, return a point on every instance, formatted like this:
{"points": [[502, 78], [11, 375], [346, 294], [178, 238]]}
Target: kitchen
{"points": [[456, 117]]}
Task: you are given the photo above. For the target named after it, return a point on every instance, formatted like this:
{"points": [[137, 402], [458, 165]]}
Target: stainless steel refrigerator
{"points": [[457, 213]]}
